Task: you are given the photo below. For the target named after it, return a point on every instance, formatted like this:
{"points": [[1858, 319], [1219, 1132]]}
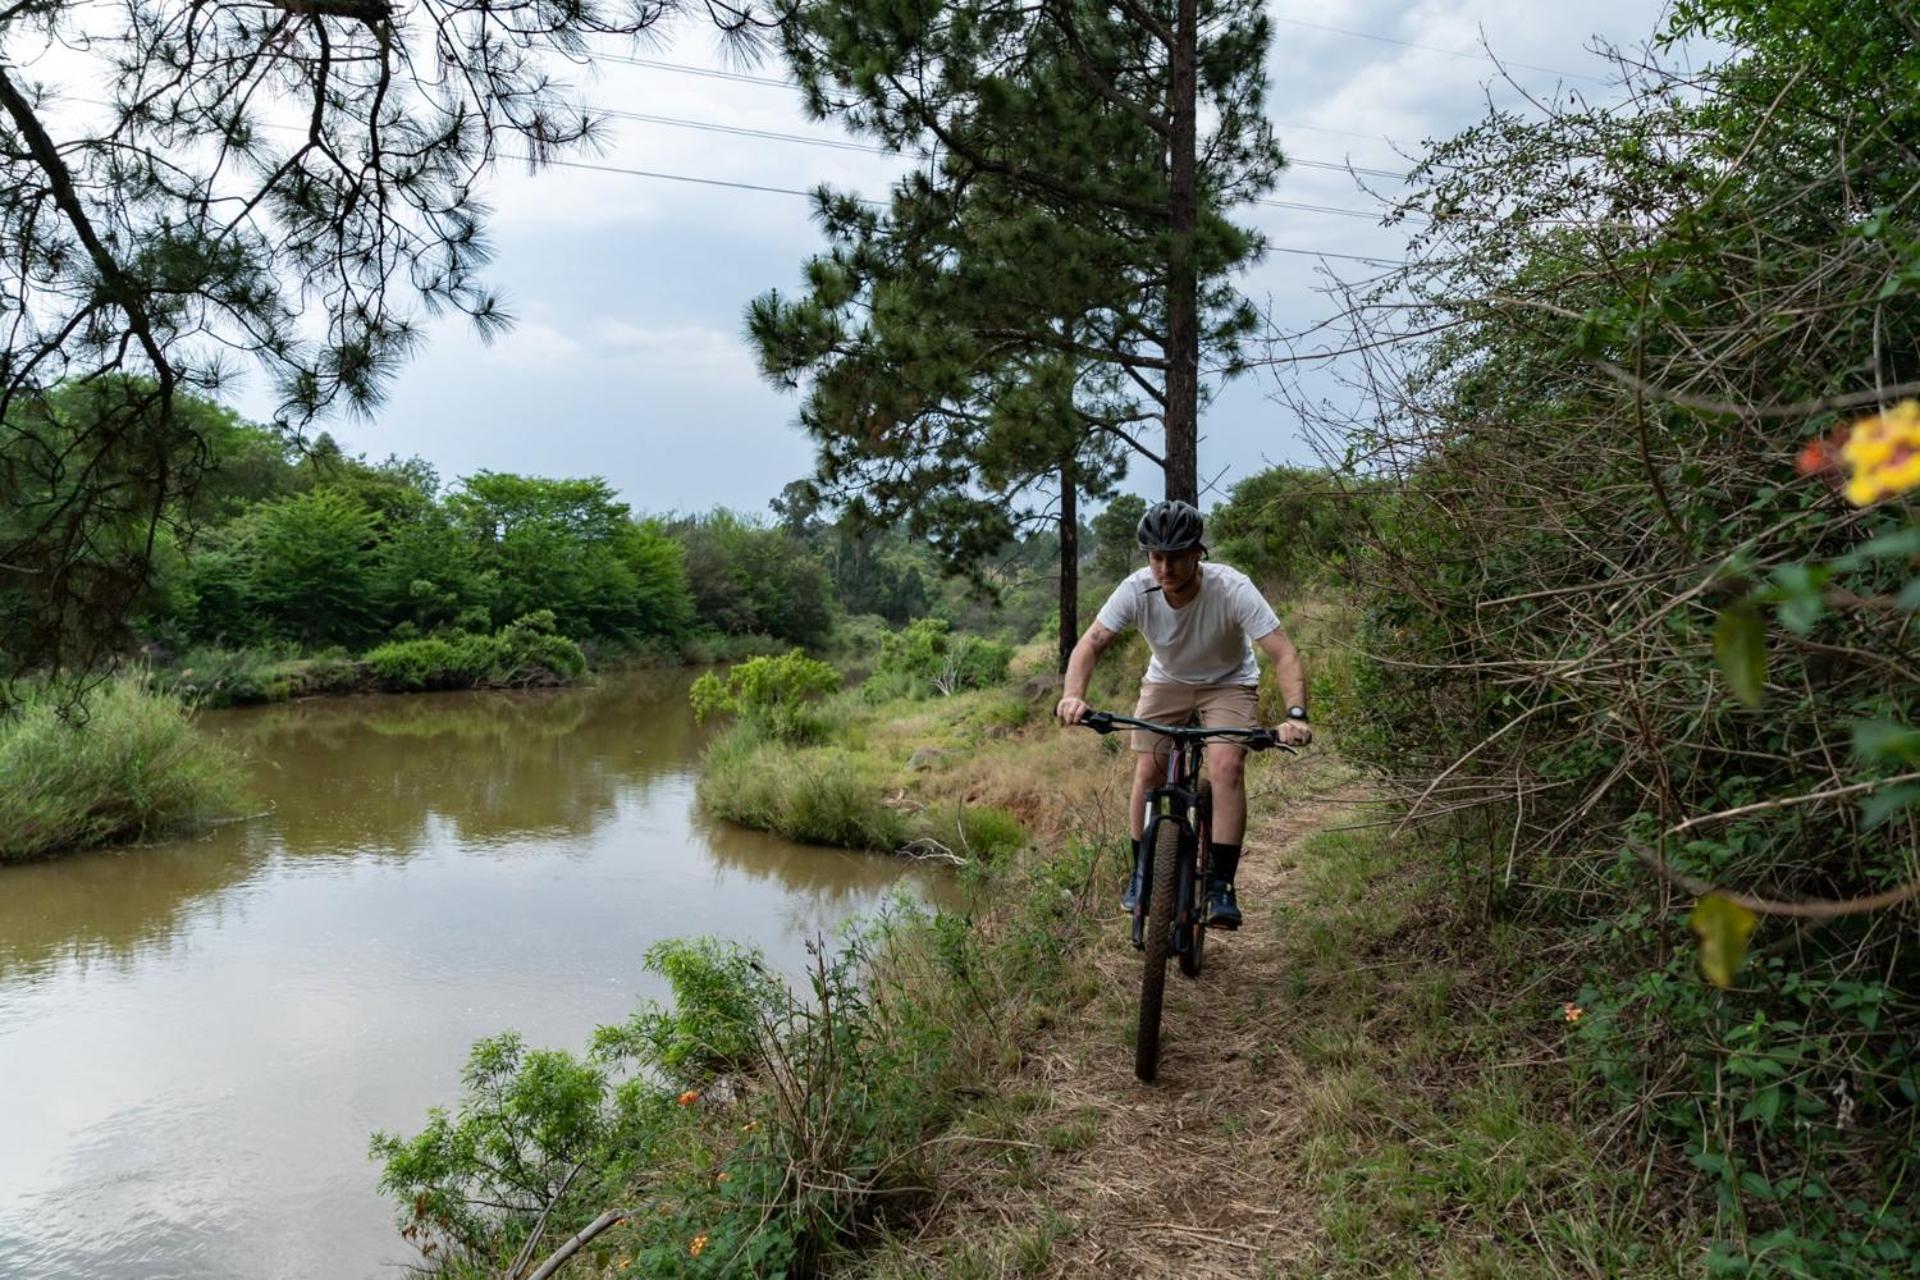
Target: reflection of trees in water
{"points": [[360, 776], [491, 766], [827, 880], [109, 904]]}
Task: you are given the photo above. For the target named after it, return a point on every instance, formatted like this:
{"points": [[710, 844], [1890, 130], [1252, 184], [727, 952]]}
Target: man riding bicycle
{"points": [[1202, 623]]}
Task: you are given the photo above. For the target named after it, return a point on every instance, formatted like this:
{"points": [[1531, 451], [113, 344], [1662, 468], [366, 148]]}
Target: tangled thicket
{"points": [[1622, 643]]}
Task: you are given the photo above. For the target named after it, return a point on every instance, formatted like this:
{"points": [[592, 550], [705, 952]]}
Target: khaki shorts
{"points": [[1214, 706]]}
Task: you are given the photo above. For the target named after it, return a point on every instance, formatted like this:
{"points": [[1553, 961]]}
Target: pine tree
{"points": [[284, 184]]}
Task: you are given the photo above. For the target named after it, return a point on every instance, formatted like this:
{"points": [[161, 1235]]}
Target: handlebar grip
{"points": [[1098, 721], [1263, 740]]}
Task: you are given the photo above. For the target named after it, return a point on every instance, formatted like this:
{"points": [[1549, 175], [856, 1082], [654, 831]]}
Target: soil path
{"points": [[1192, 1174]]}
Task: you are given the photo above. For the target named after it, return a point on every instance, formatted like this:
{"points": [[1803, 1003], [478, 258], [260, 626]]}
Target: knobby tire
{"points": [[1159, 940]]}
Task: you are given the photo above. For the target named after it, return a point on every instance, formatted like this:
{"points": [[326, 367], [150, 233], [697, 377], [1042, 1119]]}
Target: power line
{"points": [[1434, 48], [742, 77], [795, 191], [843, 144]]}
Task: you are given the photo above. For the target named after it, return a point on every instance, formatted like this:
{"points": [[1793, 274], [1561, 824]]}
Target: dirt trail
{"points": [[1190, 1174]]}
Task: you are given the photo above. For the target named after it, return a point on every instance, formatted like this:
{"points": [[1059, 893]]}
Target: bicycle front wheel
{"points": [[1153, 980]]}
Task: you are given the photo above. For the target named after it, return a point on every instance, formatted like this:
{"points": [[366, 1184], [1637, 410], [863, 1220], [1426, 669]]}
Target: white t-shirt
{"points": [[1205, 641]]}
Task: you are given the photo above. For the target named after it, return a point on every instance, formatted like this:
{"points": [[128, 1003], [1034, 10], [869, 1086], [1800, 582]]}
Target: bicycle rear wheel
{"points": [[1153, 980]]}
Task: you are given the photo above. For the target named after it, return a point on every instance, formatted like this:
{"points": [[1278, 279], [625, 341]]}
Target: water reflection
{"points": [[196, 1038]]}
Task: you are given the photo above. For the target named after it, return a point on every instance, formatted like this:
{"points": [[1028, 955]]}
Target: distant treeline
{"points": [[313, 549]]}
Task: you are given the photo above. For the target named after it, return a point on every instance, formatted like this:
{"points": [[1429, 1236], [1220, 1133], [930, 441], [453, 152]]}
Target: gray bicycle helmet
{"points": [[1170, 526]]}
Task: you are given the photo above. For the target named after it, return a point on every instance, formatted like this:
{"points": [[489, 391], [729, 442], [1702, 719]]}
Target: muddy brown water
{"points": [[197, 1038]]}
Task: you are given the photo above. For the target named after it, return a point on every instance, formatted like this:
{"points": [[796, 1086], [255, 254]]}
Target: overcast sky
{"points": [[629, 362]]}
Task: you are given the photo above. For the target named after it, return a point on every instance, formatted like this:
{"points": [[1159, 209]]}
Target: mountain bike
{"points": [[1170, 918]]}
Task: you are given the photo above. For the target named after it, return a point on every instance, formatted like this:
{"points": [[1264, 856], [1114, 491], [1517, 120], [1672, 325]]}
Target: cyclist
{"points": [[1202, 622]]}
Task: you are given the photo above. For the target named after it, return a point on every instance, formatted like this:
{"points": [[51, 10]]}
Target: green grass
{"points": [[816, 796], [1444, 1134], [123, 762]]}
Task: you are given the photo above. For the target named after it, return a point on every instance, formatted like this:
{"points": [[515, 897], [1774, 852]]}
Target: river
{"points": [[197, 1037]]}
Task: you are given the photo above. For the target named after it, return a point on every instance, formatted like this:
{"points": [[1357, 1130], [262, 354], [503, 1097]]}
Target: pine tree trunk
{"points": [[1183, 284], [1069, 560]]}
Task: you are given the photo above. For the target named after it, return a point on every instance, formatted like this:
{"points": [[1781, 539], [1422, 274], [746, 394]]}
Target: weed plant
{"points": [[120, 762], [750, 1129]]}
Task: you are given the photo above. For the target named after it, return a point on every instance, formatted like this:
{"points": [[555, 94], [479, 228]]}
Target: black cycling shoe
{"points": [[1222, 911], [1130, 900]]}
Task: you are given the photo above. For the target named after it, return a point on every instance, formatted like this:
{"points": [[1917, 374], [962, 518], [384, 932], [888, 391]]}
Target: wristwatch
{"points": [[1297, 713]]}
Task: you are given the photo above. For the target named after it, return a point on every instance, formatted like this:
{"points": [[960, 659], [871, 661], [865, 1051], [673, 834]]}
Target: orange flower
{"points": [[1572, 1012], [698, 1246], [690, 1097], [724, 1176], [749, 1126]]}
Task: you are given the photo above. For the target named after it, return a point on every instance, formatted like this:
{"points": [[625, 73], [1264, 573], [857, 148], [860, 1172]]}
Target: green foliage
{"points": [[816, 795], [1292, 526], [1116, 536], [524, 653], [1617, 609], [116, 762], [724, 1000], [309, 562], [771, 696], [748, 579], [926, 658]]}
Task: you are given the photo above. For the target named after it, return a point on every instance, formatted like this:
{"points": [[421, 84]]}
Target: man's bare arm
{"points": [[1073, 700], [1289, 672]]}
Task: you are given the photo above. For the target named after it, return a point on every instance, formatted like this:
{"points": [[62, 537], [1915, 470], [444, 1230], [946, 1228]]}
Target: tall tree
{"points": [[283, 184], [1084, 119]]}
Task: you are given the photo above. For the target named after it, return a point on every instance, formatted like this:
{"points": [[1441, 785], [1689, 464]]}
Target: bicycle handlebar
{"points": [[1105, 722]]}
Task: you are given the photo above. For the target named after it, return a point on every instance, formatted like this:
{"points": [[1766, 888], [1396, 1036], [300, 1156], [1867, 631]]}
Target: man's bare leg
{"points": [[1227, 768]]}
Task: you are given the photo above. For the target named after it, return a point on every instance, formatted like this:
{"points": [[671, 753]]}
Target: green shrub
{"points": [[978, 832], [123, 763], [927, 658], [723, 1000], [816, 796], [522, 654], [772, 695]]}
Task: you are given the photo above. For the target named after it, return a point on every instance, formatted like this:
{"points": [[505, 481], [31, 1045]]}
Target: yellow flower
{"points": [[1572, 1012], [1882, 454], [698, 1246], [690, 1097], [724, 1176], [749, 1126]]}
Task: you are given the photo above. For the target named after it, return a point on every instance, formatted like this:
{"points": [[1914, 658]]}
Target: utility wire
{"points": [[842, 144], [795, 191], [1434, 48], [742, 77]]}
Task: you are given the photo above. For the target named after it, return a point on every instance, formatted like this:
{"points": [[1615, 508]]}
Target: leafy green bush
{"points": [[724, 999], [525, 653], [122, 762], [1289, 526], [773, 696], [925, 658]]}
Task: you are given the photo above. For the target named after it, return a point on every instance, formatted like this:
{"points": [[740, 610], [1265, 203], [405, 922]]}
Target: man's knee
{"points": [[1228, 770]]}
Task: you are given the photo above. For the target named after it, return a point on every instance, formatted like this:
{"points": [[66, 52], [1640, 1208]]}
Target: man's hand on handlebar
{"points": [[1293, 733], [1071, 710]]}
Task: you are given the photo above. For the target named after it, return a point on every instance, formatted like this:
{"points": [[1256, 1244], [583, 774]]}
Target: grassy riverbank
{"points": [[1371, 1079], [117, 762]]}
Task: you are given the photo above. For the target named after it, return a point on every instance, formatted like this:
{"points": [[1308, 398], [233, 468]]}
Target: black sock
{"points": [[1222, 860], [1136, 855]]}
